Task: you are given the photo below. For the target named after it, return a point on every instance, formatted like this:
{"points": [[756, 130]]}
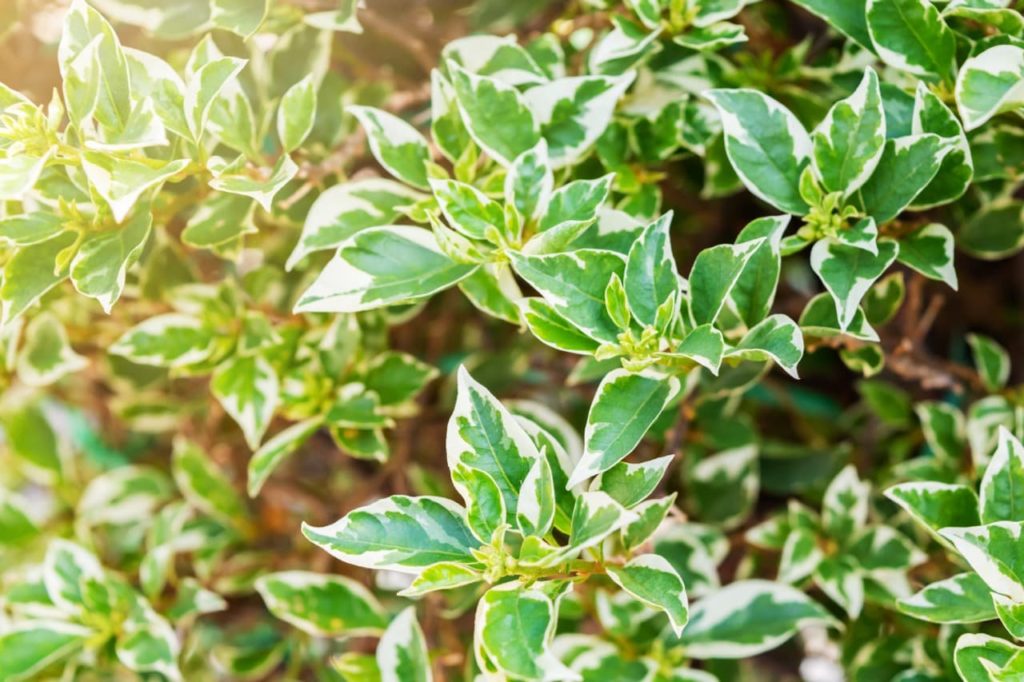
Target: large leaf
{"points": [[912, 36], [989, 84], [748, 617], [382, 266], [395, 144], [766, 144], [399, 533]]}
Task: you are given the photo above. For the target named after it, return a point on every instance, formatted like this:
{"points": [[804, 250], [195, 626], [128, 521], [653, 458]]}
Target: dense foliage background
{"points": [[658, 340]]}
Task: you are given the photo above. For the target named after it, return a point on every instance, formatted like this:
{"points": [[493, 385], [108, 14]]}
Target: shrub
{"points": [[428, 341]]}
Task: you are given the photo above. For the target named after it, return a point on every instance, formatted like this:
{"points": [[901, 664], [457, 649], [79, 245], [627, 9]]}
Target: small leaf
{"points": [[296, 114], [624, 408], [1001, 497], [402, 651], [396, 145], [930, 252], [651, 275], [848, 143], [249, 390], [990, 83], [204, 486], [715, 272], [653, 580], [100, 267], [278, 448], [495, 114], [993, 551], [992, 361], [46, 355], [849, 272], [170, 340], [321, 605]]}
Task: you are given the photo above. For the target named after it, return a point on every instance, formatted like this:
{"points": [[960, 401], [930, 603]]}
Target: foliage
{"points": [[430, 340]]}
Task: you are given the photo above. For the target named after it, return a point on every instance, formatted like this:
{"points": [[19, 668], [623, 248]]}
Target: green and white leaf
{"points": [[322, 605], [249, 390], [848, 144], [964, 598], [402, 654], [652, 579], [382, 266], [399, 533], [625, 406], [990, 83], [848, 273], [766, 144]]}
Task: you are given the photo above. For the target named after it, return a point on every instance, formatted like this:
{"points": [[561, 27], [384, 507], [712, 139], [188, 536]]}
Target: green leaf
{"points": [[90, 54], [483, 434], [551, 328], [992, 361], [975, 652], [747, 618], [495, 114], [936, 505], [576, 202], [278, 448], [485, 506], [907, 166], [122, 181], [776, 338], [467, 209], [625, 406], [573, 285], [766, 145], [800, 557], [840, 579], [396, 145], [530, 182], [31, 439], [296, 114], [651, 516], [705, 346], [723, 487], [930, 252], [847, 16], [848, 273], [322, 605], [65, 567], [30, 273], [754, 292], [238, 16], [844, 509], [342, 210], [30, 228], [910, 35], [595, 517], [990, 83], [993, 551], [203, 88], [535, 509], [402, 654], [931, 115], [248, 389], [100, 267], [443, 576], [204, 485], [382, 266], [514, 626], [1001, 496], [493, 289], [19, 174], [943, 427], [964, 598], [574, 112], [630, 483], [848, 144], [170, 340], [221, 219], [715, 272], [1011, 615], [46, 355], [653, 580], [399, 533], [263, 185], [30, 647], [651, 275]]}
